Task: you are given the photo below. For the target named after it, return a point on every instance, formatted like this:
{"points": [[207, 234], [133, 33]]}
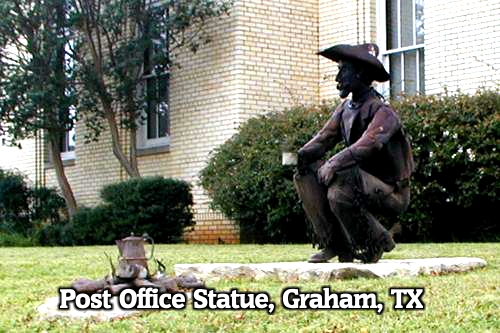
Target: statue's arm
{"points": [[380, 130], [323, 141]]}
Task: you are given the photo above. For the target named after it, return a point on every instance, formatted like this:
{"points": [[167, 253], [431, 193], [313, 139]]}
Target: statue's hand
{"points": [[326, 174], [302, 164]]}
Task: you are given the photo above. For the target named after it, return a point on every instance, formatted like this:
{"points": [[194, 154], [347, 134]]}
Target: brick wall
{"points": [[264, 61], [94, 167], [462, 45], [22, 160], [275, 51], [204, 113]]}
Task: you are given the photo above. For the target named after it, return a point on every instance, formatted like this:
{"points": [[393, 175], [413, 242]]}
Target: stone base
{"points": [[50, 309], [303, 271]]}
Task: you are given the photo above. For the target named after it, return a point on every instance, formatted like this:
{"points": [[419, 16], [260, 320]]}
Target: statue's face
{"points": [[347, 78]]}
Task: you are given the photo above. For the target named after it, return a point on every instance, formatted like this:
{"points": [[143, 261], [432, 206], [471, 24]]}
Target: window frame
{"points": [[385, 53], [142, 140], [65, 153]]}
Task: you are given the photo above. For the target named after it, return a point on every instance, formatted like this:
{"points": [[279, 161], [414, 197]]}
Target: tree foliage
{"points": [[121, 41], [87, 57], [37, 86], [37, 80]]}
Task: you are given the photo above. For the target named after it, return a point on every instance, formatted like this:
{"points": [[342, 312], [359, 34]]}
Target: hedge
{"points": [[23, 210], [246, 181], [454, 188], [161, 207], [456, 149]]}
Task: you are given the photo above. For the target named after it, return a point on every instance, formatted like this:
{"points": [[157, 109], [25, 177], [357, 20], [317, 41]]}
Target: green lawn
{"points": [[467, 302]]}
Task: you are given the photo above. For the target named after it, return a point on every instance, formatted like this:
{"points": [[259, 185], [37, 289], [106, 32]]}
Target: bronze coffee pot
{"points": [[133, 253]]}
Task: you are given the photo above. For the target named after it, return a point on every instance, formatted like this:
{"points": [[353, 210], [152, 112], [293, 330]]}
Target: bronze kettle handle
{"points": [[148, 238]]}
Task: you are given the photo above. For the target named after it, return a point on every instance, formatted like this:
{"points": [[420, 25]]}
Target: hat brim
{"points": [[353, 54]]}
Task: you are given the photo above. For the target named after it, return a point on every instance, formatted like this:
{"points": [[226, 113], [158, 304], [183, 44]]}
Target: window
{"points": [[68, 140], [154, 130], [401, 40], [68, 145]]}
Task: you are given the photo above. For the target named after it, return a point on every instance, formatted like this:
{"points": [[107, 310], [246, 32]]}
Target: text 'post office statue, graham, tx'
{"points": [[370, 176]]}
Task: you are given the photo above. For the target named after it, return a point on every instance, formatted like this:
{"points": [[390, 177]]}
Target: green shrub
{"points": [[155, 205], [162, 207], [454, 188], [15, 239], [246, 181], [46, 205], [14, 203], [25, 212], [88, 226]]}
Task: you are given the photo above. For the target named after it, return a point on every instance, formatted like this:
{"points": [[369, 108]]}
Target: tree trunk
{"points": [[130, 168], [66, 190], [133, 149], [132, 135]]}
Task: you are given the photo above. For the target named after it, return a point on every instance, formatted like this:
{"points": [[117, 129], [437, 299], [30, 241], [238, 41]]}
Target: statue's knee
{"points": [[333, 193], [405, 199], [338, 196]]}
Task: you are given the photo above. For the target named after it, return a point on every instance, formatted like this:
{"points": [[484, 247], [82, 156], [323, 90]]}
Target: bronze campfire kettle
{"points": [[133, 252]]}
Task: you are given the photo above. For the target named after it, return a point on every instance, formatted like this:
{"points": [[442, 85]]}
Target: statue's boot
{"points": [[346, 257], [379, 234], [322, 256]]}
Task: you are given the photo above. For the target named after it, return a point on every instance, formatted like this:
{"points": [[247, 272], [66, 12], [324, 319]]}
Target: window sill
{"points": [[153, 150], [66, 163]]}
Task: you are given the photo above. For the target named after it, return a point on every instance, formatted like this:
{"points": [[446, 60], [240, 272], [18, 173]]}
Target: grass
{"points": [[466, 302]]}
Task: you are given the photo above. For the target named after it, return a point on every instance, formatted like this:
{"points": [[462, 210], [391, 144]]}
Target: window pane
{"points": [[419, 21], [162, 120], [410, 64], [395, 71], [421, 70], [406, 23], [64, 143], [162, 87], [163, 106], [71, 139], [392, 24], [68, 140], [152, 120], [151, 112]]}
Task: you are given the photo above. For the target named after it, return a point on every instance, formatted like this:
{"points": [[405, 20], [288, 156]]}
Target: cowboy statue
{"points": [[369, 176]]}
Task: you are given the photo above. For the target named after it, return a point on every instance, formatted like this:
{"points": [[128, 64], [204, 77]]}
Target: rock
{"points": [[88, 286], [116, 289], [167, 284], [303, 271]]}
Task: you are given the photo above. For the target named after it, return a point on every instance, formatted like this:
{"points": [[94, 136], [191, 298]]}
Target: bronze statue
{"points": [[371, 175]]}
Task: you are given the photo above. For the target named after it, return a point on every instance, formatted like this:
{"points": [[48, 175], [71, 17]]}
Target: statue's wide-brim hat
{"points": [[364, 55]]}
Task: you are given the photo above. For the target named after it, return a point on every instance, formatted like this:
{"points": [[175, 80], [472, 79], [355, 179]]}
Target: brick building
{"points": [[263, 58]]}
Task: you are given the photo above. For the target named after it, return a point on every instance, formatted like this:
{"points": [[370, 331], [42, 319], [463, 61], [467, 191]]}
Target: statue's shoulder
{"points": [[379, 104]]}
